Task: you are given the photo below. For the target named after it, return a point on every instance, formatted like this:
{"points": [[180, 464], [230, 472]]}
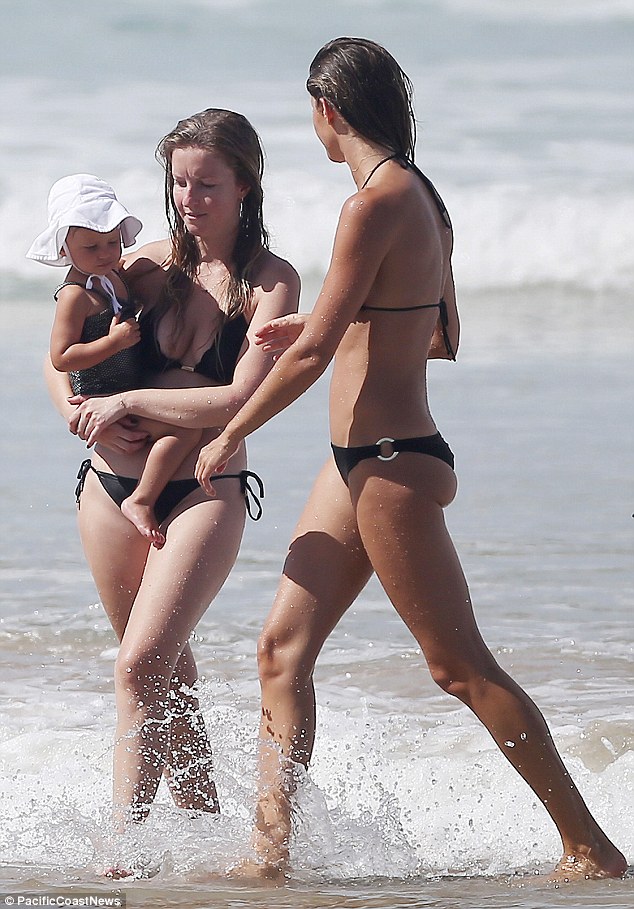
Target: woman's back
{"points": [[379, 381]]}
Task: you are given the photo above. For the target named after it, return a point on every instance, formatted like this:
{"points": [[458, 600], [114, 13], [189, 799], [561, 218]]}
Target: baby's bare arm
{"points": [[68, 352]]}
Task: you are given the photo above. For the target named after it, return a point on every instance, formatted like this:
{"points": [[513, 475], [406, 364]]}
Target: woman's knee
{"points": [[142, 673], [454, 683], [280, 660], [463, 678], [271, 662]]}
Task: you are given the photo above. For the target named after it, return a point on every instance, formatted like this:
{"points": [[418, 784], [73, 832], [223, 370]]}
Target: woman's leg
{"points": [[414, 558], [325, 570], [157, 614], [117, 570], [188, 766], [179, 583]]}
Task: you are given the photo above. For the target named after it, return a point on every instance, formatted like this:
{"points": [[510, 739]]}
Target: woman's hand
{"points": [[278, 334], [93, 415], [213, 460]]}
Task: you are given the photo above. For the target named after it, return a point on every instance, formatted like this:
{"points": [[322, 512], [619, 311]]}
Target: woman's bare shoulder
{"points": [[157, 251], [367, 224], [145, 268], [272, 269], [146, 258]]}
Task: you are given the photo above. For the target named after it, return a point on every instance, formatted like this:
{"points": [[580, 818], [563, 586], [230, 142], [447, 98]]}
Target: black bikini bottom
{"points": [[387, 449], [119, 488]]}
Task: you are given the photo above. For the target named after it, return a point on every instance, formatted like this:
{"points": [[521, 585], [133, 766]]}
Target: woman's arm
{"points": [[118, 437], [208, 406], [362, 240], [438, 349], [276, 336]]}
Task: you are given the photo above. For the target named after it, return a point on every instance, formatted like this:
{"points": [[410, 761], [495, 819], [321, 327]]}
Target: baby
{"points": [[95, 336]]}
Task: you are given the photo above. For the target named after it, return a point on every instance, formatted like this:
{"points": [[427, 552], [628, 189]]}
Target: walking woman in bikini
{"points": [[386, 306]]}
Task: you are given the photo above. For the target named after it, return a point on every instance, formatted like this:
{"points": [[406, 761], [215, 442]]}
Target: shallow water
{"points": [[408, 800]]}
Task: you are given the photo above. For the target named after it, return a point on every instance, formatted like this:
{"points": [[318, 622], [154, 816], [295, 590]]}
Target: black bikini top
{"points": [[440, 205], [218, 362]]}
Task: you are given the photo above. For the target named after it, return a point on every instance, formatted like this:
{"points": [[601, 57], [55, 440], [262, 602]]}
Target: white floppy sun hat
{"points": [[81, 200]]}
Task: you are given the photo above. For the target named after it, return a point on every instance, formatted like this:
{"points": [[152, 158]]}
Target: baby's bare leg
{"points": [[169, 449]]}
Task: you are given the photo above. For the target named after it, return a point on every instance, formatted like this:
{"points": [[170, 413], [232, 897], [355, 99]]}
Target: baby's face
{"points": [[91, 252]]}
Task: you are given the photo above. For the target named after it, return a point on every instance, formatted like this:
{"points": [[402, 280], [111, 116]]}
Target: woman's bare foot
{"points": [[141, 867], [142, 516], [589, 865], [261, 870], [117, 874], [269, 840]]}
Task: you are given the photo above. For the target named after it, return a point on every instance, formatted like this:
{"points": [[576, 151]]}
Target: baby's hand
{"points": [[124, 334], [123, 437]]}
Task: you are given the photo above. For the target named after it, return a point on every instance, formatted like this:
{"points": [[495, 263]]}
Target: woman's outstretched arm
{"points": [[361, 242]]}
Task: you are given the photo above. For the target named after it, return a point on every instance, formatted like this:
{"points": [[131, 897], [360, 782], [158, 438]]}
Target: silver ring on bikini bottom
{"points": [[390, 457]]}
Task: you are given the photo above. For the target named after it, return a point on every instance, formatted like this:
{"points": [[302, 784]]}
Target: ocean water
{"points": [[526, 125]]}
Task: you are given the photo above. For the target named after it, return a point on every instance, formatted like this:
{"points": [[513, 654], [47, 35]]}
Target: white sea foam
{"points": [[579, 10], [532, 10], [507, 236], [526, 127], [387, 796]]}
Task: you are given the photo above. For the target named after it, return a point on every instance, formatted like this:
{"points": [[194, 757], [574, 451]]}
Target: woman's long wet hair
{"points": [[232, 136], [369, 89]]}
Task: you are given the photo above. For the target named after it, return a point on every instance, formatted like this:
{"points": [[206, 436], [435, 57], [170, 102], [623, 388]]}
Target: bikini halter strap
{"points": [[376, 167], [406, 162]]}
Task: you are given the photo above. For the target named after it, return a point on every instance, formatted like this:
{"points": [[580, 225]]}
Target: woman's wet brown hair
{"points": [[369, 89], [231, 135]]}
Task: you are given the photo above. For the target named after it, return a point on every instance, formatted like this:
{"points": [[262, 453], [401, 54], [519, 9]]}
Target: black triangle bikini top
{"points": [[441, 305], [218, 362]]}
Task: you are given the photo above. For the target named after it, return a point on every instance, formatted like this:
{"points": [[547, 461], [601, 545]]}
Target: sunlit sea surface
{"points": [[526, 126]]}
